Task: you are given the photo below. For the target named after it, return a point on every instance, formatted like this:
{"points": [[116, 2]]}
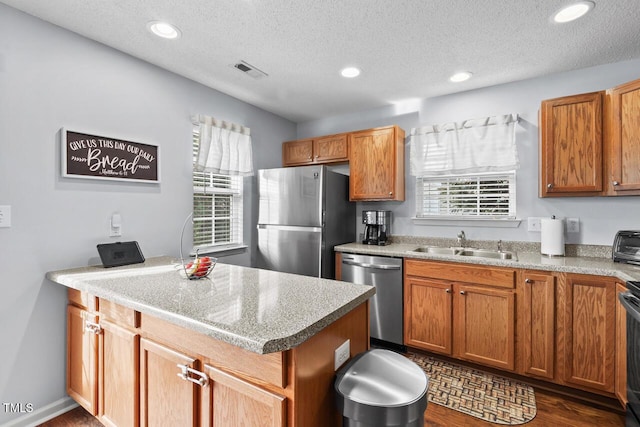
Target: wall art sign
{"points": [[93, 156]]}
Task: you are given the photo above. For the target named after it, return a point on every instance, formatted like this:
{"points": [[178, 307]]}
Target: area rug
{"points": [[486, 396]]}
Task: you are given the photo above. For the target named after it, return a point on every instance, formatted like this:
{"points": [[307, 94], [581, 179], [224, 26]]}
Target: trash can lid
{"points": [[383, 378]]}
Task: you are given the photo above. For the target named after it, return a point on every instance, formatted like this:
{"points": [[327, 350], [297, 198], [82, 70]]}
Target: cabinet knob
{"points": [[448, 291], [549, 186], [528, 280], [615, 183], [463, 293], [391, 193], [310, 157]]}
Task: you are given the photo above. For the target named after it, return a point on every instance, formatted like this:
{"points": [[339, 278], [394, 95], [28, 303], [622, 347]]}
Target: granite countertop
{"points": [[526, 260], [259, 310]]}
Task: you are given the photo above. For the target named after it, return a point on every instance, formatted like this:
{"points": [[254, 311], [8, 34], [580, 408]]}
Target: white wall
{"points": [[600, 217], [50, 78]]}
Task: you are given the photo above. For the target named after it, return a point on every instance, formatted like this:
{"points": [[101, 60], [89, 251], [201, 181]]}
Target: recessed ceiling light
{"points": [[163, 29], [460, 77], [350, 72], [573, 11]]}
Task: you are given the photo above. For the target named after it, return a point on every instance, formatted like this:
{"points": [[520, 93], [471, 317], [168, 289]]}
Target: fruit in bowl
{"points": [[199, 267]]}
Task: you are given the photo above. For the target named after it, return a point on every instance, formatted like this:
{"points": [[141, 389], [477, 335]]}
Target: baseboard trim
{"points": [[45, 413]]}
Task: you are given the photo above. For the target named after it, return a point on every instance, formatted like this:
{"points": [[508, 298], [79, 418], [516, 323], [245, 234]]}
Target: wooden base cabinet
{"points": [[474, 321], [621, 347], [536, 324], [102, 367], [589, 326], [82, 358]]}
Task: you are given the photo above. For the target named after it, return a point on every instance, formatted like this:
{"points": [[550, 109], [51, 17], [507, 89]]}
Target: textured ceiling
{"points": [[406, 49]]}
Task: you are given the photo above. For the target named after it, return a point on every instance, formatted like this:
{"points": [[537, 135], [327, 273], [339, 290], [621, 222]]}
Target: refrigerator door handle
{"points": [[289, 228]]}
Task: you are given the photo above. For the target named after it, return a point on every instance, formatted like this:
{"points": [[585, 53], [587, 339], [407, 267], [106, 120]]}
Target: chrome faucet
{"points": [[499, 245], [462, 239]]}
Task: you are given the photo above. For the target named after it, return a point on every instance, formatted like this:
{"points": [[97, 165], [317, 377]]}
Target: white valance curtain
{"points": [[223, 147], [472, 146]]}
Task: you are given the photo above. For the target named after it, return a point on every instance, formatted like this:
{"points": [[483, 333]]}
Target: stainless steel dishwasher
{"points": [[385, 308]]}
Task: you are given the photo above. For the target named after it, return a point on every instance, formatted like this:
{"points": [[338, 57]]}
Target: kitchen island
{"points": [[244, 346]]}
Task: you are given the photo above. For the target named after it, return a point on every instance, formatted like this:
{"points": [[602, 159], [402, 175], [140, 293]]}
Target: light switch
{"points": [[5, 216], [116, 225]]}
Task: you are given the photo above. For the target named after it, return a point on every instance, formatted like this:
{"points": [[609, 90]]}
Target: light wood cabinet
{"points": [[229, 401], [474, 321], [428, 315], [326, 149], [536, 323], [622, 137], [167, 397], [571, 145], [118, 375], [589, 324], [102, 364], [484, 326], [621, 348], [376, 163], [82, 358]]}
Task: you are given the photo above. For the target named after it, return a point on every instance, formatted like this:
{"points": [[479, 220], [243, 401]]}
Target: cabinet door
{"points": [[82, 358], [624, 139], [229, 401], [376, 163], [571, 145], [536, 322], [621, 347], [118, 376], [484, 326], [428, 315], [166, 399], [589, 332], [330, 149], [297, 152]]}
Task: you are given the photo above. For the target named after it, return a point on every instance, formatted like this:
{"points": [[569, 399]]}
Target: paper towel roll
{"points": [[552, 237]]}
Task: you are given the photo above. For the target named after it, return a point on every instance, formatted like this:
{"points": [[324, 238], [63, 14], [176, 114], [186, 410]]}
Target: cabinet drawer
{"points": [[491, 276], [82, 299], [119, 314]]}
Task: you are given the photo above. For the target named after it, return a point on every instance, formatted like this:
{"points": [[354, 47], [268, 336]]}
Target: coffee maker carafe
{"points": [[376, 227]]}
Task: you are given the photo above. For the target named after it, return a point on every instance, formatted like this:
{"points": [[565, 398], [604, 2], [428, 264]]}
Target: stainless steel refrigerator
{"points": [[303, 213]]}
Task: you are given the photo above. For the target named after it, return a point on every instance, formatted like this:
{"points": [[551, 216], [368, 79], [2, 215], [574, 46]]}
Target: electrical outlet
{"points": [[573, 225], [342, 354], [5, 216], [534, 224]]}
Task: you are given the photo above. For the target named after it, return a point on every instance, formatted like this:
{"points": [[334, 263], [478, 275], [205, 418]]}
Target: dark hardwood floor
{"points": [[553, 410]]}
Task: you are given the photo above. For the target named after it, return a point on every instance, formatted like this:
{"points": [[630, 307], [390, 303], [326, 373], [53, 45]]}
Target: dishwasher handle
{"points": [[368, 265]]}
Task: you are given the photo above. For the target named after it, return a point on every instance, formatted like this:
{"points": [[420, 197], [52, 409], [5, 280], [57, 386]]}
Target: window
{"points": [[217, 208], [483, 196]]}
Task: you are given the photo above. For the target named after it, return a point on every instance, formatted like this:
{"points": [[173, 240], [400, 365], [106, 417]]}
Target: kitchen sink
{"points": [[466, 252]]}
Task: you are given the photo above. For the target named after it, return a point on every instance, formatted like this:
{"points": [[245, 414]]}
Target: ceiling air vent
{"points": [[250, 70]]}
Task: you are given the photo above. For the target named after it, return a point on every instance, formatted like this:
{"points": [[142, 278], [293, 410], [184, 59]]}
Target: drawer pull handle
{"points": [[186, 374]]}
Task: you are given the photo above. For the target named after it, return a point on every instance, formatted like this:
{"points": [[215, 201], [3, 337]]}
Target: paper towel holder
{"points": [[552, 242]]}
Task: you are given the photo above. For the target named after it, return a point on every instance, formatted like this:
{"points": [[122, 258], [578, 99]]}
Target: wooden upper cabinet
{"points": [[623, 139], [376, 163], [571, 145], [327, 149]]}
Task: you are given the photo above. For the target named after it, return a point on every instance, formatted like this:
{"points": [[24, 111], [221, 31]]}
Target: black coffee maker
{"points": [[377, 225]]}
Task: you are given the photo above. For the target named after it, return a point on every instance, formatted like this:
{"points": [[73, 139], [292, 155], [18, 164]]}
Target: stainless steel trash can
{"points": [[380, 388]]}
